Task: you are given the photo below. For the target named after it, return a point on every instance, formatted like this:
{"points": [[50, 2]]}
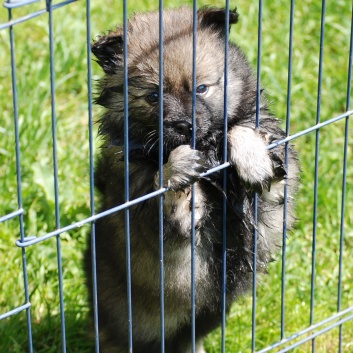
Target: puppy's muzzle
{"points": [[182, 127]]}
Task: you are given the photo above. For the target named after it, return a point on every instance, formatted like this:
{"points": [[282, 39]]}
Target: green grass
{"points": [[71, 109]]}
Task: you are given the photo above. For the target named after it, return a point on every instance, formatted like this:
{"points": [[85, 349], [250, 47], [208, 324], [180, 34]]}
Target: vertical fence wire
{"points": [[193, 145], [161, 176], [50, 9], [91, 175], [225, 158], [344, 185], [316, 173], [19, 180], [257, 125], [127, 174], [55, 171], [285, 201]]}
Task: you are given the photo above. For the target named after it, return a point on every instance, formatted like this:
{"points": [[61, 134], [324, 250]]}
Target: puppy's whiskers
{"points": [[151, 140], [152, 145]]}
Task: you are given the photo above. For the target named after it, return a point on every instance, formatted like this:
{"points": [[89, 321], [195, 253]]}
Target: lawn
{"points": [[34, 103]]}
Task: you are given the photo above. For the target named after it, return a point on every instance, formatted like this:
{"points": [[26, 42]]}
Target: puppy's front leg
{"points": [[249, 155], [180, 172], [183, 168]]}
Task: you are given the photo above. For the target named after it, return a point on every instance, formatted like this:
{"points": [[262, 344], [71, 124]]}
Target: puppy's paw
{"points": [[183, 168], [249, 155]]}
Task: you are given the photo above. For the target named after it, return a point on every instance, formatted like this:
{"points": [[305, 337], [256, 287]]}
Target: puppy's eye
{"points": [[152, 97], [201, 90]]}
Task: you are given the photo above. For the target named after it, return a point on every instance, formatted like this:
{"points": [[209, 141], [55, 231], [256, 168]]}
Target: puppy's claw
{"points": [[267, 184], [278, 166], [260, 186]]}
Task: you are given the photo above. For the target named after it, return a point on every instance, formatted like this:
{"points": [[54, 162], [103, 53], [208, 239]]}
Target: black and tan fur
{"points": [[254, 168]]}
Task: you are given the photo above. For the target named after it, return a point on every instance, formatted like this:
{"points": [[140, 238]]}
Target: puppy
{"points": [[253, 169]]}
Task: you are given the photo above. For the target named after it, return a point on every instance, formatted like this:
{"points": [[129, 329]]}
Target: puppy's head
{"points": [[144, 77]]}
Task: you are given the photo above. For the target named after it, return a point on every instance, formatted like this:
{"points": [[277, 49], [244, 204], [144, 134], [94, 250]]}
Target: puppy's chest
{"points": [[179, 211]]}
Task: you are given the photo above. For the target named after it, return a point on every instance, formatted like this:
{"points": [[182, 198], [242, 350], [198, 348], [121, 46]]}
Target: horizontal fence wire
{"points": [[286, 343], [11, 215], [15, 311], [12, 4], [22, 19], [33, 239], [341, 317]]}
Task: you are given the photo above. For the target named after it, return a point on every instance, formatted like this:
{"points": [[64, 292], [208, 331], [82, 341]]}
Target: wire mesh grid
{"points": [[287, 340]]}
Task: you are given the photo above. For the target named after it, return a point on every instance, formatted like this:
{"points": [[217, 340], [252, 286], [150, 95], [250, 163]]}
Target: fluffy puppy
{"points": [[253, 168]]}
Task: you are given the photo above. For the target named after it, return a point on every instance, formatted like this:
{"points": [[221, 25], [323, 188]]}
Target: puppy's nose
{"points": [[183, 127]]}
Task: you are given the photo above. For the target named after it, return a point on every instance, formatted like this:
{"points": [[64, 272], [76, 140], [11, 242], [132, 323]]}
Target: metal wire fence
{"points": [[286, 341]]}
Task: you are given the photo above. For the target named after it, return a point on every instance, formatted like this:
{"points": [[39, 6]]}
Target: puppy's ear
{"points": [[216, 18], [108, 51]]}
